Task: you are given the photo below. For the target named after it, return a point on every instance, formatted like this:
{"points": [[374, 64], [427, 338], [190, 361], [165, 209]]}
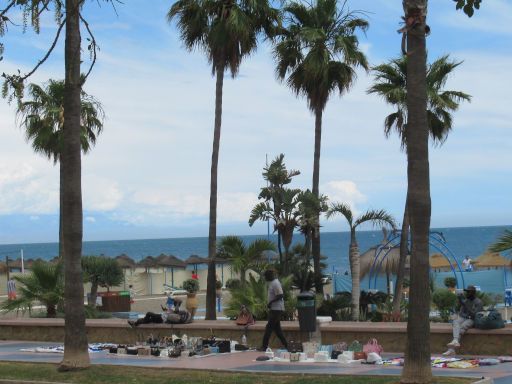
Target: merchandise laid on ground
{"points": [[216, 354]]}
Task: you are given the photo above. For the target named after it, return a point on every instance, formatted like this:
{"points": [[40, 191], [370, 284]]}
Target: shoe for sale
{"points": [[449, 352], [453, 344]]}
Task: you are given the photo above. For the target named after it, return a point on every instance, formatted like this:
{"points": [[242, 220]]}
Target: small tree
{"points": [[450, 282], [101, 271], [445, 301], [191, 285]]}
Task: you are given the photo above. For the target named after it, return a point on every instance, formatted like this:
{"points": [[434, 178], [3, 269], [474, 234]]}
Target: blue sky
{"points": [[148, 176]]}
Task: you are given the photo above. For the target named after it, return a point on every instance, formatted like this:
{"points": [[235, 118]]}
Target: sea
{"points": [[462, 241]]}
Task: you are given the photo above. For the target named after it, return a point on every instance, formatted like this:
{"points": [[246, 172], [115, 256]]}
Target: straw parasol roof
{"points": [[148, 262], [389, 264], [491, 260], [195, 259], [3, 267], [170, 261], [16, 263], [125, 261], [438, 261]]}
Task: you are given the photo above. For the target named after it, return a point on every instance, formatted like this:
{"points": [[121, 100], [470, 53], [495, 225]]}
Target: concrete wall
{"points": [[392, 336]]}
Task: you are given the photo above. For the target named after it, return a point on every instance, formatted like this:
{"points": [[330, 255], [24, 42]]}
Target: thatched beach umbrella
{"points": [[439, 262], [3, 267], [389, 264], [171, 262], [491, 260], [147, 263], [125, 261], [195, 260]]}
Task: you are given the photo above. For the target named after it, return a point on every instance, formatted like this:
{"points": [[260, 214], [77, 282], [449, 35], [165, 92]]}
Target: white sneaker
{"points": [[453, 344], [449, 352]]}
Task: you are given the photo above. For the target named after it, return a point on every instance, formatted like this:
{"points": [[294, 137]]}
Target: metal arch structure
{"points": [[436, 241]]}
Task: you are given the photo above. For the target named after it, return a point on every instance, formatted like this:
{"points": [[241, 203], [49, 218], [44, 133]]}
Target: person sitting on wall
{"points": [[170, 315], [469, 306]]}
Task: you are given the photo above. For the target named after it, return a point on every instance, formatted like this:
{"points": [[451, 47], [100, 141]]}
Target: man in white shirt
{"points": [[466, 264], [276, 309]]}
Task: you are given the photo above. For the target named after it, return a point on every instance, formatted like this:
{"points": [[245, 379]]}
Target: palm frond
{"points": [[342, 209], [504, 243], [377, 218]]}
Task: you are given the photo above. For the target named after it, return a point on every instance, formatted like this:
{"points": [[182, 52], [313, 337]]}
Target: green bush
{"points": [[232, 284], [254, 296], [445, 301], [450, 282], [191, 285], [218, 284], [338, 307]]}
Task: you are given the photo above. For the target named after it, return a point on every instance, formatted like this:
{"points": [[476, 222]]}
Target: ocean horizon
{"points": [[461, 241]]}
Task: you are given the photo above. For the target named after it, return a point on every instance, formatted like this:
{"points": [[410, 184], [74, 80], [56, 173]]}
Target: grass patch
{"points": [[102, 374]]}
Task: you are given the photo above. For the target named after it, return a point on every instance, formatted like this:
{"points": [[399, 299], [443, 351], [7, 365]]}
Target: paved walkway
{"points": [[244, 362]]}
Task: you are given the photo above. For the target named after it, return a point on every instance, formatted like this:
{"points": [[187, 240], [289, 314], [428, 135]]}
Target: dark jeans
{"points": [[150, 318], [274, 324]]}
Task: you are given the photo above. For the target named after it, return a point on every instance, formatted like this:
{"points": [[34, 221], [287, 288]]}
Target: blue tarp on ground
{"points": [[490, 281]]}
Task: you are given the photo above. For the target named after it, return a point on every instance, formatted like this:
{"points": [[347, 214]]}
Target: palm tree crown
{"points": [[319, 50], [390, 83], [43, 119], [226, 30]]}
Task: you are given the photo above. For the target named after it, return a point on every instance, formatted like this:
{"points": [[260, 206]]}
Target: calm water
{"points": [[471, 241]]}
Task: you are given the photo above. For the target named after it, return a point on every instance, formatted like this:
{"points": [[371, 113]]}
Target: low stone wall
{"points": [[392, 336]]}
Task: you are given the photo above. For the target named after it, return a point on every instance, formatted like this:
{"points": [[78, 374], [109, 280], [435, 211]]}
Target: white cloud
{"points": [[100, 194], [344, 191], [90, 219]]}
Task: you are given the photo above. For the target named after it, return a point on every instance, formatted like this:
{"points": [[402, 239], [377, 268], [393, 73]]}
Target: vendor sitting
{"points": [[469, 306], [170, 315]]}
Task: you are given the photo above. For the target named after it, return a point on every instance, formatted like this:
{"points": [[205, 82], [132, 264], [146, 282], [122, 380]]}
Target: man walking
{"points": [[469, 306], [276, 309]]}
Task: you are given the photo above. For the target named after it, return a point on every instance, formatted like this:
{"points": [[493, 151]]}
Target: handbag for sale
{"points": [[155, 351], [245, 317], [294, 346], [373, 346], [132, 351], [144, 351], [355, 346], [223, 345], [341, 346], [174, 352], [359, 355]]}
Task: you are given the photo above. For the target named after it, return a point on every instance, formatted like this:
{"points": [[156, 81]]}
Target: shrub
{"points": [[191, 285], [254, 296], [218, 284], [445, 301], [232, 284], [338, 307], [450, 282]]}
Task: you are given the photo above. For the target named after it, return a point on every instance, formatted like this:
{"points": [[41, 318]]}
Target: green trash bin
{"points": [[307, 311]]}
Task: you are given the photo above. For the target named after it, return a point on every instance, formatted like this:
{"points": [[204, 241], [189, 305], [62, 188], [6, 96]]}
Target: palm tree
{"points": [[503, 244], [308, 222], [44, 284], [49, 120], [317, 52], [375, 217], [227, 31], [391, 84], [42, 118], [285, 220], [277, 176], [243, 257]]}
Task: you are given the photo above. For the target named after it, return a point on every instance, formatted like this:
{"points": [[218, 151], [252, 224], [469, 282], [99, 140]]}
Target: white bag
{"points": [[374, 357], [349, 355]]}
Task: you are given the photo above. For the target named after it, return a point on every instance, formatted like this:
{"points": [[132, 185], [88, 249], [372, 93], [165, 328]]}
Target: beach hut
{"points": [[439, 263], [170, 262], [491, 260], [149, 264]]}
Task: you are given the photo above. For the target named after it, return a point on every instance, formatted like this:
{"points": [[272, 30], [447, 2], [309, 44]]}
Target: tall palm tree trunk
{"points": [[212, 234], [417, 367], [316, 180], [404, 251], [353, 254], [61, 233], [76, 355]]}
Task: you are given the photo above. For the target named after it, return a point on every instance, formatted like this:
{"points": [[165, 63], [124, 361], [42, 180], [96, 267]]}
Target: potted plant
{"points": [[450, 283], [191, 286]]}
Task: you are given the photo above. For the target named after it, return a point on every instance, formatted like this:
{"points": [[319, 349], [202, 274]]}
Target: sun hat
{"points": [[470, 288]]}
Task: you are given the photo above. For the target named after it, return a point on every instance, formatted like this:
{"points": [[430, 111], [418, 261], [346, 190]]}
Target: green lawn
{"points": [[101, 374]]}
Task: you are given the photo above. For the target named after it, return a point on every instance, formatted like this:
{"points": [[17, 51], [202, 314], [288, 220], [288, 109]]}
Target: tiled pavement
{"points": [[244, 362]]}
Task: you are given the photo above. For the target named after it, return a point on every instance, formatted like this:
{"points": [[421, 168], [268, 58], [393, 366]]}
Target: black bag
{"points": [[223, 345], [155, 351], [335, 354], [132, 351], [113, 350], [294, 346], [489, 320]]}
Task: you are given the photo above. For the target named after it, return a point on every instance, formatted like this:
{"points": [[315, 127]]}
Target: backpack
{"points": [[245, 317], [489, 320]]}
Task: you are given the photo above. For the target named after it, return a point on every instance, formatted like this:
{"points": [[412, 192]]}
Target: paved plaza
{"points": [[243, 362]]}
